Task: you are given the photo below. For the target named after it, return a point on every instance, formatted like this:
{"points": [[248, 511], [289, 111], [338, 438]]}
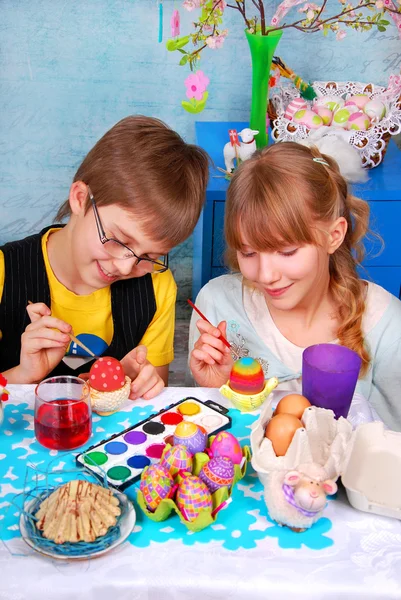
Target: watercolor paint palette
{"points": [[122, 457]]}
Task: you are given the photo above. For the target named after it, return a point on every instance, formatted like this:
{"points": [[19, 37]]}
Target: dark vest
{"points": [[133, 304]]}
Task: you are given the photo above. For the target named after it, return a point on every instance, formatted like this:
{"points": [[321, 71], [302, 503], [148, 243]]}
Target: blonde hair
{"points": [[143, 165], [277, 197]]}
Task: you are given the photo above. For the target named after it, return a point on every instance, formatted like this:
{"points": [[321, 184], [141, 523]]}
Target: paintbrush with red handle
{"points": [[223, 339]]}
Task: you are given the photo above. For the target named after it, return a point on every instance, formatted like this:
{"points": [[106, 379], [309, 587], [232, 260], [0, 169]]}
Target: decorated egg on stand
{"points": [[359, 121], [177, 458], [190, 435], [246, 387], [156, 485], [375, 110], [217, 473], [308, 118], [331, 102], [227, 446], [109, 386], [325, 113], [294, 106], [358, 100], [193, 496]]}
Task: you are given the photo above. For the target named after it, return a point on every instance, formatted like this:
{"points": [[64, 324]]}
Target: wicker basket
{"points": [[372, 144]]}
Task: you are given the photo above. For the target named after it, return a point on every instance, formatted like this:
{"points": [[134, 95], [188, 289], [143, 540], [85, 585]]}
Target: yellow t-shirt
{"points": [[91, 318]]}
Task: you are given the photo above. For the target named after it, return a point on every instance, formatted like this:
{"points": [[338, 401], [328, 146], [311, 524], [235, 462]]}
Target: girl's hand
{"points": [[43, 344], [146, 382], [211, 361]]}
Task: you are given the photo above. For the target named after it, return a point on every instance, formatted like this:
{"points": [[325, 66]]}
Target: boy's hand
{"points": [[211, 361], [146, 382], [43, 344]]}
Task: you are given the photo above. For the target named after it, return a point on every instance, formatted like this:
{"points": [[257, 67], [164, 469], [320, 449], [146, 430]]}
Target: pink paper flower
{"points": [[196, 84], [340, 35], [216, 41], [191, 4], [175, 23]]}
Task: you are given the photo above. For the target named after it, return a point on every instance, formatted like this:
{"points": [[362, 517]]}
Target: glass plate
{"points": [[127, 524]]}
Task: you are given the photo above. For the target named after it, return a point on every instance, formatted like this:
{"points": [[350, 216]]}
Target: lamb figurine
{"points": [[297, 498], [245, 149]]}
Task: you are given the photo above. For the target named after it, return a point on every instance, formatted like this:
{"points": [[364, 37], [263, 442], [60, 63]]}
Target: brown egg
{"points": [[293, 404], [280, 431]]}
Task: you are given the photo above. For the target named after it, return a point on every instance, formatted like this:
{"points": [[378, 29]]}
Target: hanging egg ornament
{"points": [[247, 376], [156, 485], [294, 106], [193, 496], [190, 435], [358, 100], [217, 473], [308, 118], [359, 121], [227, 446], [177, 458]]}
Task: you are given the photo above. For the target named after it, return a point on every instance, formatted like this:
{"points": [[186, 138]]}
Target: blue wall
{"points": [[70, 69]]}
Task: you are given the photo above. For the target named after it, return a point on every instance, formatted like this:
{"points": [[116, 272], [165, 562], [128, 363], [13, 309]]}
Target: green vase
{"points": [[262, 51]]}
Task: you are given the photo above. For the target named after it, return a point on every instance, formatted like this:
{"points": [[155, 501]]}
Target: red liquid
{"points": [[63, 424]]}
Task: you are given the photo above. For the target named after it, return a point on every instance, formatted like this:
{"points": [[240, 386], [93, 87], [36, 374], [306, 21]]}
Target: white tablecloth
{"points": [[244, 555]]}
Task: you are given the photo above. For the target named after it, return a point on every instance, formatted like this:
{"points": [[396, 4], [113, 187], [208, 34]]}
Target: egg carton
{"points": [[371, 144], [368, 458], [220, 497]]}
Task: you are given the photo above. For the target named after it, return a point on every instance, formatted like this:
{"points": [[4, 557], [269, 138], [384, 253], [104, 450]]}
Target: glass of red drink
{"points": [[63, 413]]}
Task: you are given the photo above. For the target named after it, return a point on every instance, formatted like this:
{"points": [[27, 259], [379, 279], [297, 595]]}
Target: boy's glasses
{"points": [[119, 250]]}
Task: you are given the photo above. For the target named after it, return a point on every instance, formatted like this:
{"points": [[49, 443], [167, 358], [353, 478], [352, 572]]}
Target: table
{"points": [[244, 555], [382, 191]]}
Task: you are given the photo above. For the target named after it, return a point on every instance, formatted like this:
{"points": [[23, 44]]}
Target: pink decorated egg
{"points": [[359, 121], [226, 445], [156, 485], [217, 473], [190, 435], [331, 102], [193, 496], [177, 458], [375, 110], [308, 118], [106, 375], [294, 106], [325, 113], [359, 100], [247, 376]]}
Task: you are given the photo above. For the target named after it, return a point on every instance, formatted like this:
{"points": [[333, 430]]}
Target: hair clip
{"points": [[321, 161]]}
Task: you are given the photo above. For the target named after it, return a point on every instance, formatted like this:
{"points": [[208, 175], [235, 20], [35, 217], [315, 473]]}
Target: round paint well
{"points": [[153, 428], [189, 408], [116, 448], [171, 418], [211, 421], [169, 440], [119, 473], [138, 462], [155, 450], [135, 437], [95, 458]]}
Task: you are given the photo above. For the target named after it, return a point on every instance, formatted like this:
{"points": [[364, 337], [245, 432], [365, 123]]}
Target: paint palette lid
{"points": [[126, 525]]}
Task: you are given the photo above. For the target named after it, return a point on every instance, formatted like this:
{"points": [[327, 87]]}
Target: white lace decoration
{"points": [[370, 143]]}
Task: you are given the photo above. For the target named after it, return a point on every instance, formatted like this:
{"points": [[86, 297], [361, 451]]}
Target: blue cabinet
{"points": [[383, 192]]}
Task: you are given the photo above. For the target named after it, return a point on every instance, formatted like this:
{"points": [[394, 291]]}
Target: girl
{"points": [[295, 234], [104, 275]]}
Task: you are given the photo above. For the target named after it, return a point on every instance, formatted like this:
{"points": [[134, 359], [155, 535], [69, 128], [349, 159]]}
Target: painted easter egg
{"points": [[217, 473], [190, 435], [156, 485], [294, 106], [358, 100], [342, 116], [308, 118], [226, 445], [325, 113], [375, 110], [359, 121], [177, 458], [107, 374], [192, 497], [332, 102], [247, 376]]}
